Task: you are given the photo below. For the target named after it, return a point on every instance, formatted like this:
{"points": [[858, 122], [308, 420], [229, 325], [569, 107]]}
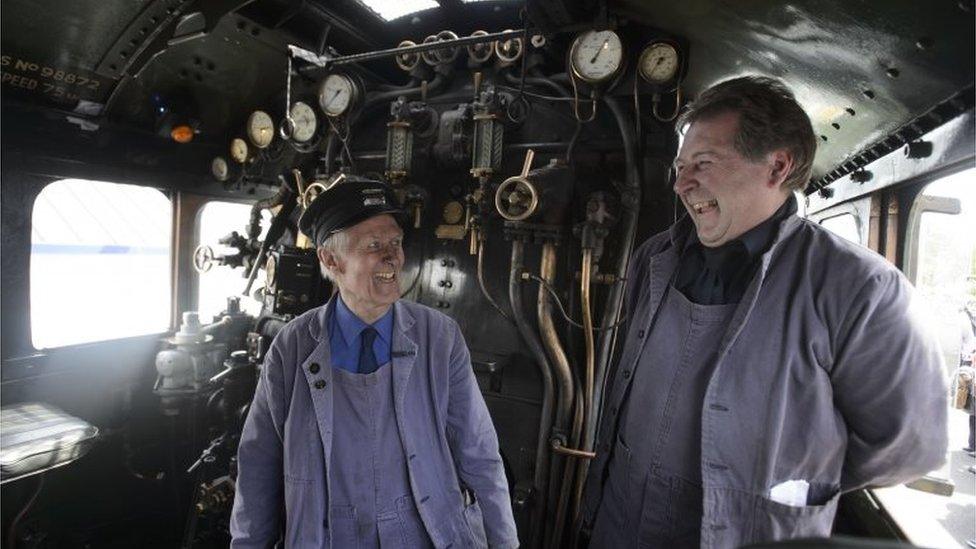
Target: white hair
{"points": [[335, 243]]}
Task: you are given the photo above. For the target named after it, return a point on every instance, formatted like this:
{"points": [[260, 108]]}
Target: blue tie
{"points": [[367, 358]]}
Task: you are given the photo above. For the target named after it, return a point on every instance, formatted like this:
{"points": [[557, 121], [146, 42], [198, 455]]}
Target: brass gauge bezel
{"points": [[349, 84], [575, 48], [675, 56], [489, 46], [407, 61], [302, 129], [501, 49]]}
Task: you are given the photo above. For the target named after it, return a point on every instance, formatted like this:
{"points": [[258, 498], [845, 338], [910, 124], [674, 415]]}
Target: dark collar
{"points": [[753, 242]]}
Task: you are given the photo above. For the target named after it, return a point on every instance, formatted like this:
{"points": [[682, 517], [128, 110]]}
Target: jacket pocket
{"points": [[775, 521], [474, 525]]}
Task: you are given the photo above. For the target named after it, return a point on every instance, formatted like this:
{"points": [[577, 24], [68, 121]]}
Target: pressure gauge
{"points": [[219, 168], [659, 62], [303, 117], [509, 50], [238, 150], [260, 129], [596, 56], [407, 61], [337, 94], [480, 52]]}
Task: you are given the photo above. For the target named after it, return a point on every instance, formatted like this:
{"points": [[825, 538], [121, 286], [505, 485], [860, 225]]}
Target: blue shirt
{"points": [[345, 338]]}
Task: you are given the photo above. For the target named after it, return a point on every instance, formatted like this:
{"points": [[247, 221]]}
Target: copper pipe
{"points": [[554, 348], [559, 490], [586, 271], [540, 479]]}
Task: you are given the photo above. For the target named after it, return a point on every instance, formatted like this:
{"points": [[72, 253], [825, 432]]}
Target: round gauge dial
{"points": [[260, 129], [238, 150], [337, 94], [219, 168], [481, 52], [407, 61], [303, 116], [509, 50], [596, 56], [659, 63]]}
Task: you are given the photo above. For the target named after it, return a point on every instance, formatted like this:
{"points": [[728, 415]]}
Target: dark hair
{"points": [[769, 119]]}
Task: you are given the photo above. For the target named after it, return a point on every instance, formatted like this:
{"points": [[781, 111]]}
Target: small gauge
{"points": [[238, 150], [260, 129], [303, 116], [596, 56], [481, 52], [269, 272], [337, 94], [509, 50], [407, 61], [659, 62], [219, 168]]}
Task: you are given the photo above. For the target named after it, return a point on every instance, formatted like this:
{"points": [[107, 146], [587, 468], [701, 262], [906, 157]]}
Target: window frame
{"points": [[36, 352]]}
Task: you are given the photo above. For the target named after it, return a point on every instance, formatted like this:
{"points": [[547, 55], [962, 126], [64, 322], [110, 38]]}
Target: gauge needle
{"points": [[331, 99], [606, 42]]}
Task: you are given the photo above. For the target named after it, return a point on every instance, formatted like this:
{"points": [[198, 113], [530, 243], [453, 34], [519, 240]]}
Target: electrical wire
{"points": [[541, 96], [481, 283], [562, 310], [12, 534]]}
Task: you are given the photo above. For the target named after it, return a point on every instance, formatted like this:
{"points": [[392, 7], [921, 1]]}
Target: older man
{"points": [[769, 365], [367, 422]]}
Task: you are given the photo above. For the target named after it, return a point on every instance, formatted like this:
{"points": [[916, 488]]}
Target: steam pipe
{"points": [[571, 466], [539, 480], [558, 491], [630, 205]]}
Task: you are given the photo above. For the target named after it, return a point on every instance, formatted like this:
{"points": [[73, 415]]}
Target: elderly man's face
{"points": [[367, 269], [725, 193]]}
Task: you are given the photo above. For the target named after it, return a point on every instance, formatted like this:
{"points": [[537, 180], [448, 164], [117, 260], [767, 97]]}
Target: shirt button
{"points": [[626, 374], [320, 384], [640, 334], [314, 368]]}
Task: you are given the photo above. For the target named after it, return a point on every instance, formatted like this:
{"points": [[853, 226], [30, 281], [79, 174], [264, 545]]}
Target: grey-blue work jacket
{"points": [[824, 374], [447, 436]]}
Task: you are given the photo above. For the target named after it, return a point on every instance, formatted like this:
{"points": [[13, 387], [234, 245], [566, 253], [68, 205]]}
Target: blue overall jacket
{"points": [[824, 374], [447, 435]]}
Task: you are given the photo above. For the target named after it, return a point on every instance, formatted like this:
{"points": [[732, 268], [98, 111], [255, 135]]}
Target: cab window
{"points": [[99, 263], [844, 225], [216, 222], [941, 262]]}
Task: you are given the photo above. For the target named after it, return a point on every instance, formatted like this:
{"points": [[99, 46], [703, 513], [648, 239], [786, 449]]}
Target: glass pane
{"points": [[844, 225], [946, 288], [100, 262], [392, 9], [217, 220]]}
